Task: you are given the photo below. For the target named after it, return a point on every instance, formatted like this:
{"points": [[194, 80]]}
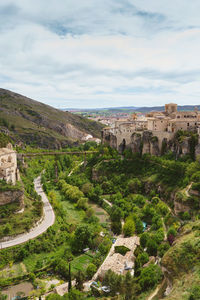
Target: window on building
{"points": [[188, 124]]}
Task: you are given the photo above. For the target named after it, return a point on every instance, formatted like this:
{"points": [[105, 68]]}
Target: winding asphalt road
{"points": [[47, 221]]}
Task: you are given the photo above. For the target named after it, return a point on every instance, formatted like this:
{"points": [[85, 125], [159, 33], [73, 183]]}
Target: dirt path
{"points": [[76, 167], [107, 202], [165, 230], [153, 294], [187, 189]]}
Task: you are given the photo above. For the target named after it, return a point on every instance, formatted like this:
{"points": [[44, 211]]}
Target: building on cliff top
{"points": [[151, 130], [8, 165]]}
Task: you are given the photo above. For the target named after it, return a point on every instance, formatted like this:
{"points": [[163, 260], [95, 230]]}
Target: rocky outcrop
{"points": [[11, 196], [154, 142], [150, 143], [180, 207], [197, 149], [136, 142], [111, 140]]}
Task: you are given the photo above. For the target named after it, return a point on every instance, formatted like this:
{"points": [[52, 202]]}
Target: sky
{"points": [[101, 53]]}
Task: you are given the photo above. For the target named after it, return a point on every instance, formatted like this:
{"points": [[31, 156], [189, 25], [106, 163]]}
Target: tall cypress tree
{"points": [[69, 280]]}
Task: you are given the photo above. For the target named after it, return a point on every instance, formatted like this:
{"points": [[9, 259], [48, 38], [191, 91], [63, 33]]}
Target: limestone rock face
{"points": [[185, 147], [147, 135], [154, 148], [11, 196], [111, 140], [150, 143], [136, 142], [197, 150]]}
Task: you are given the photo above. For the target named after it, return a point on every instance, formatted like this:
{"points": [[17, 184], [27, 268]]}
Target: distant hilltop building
{"points": [[152, 132], [8, 165]]}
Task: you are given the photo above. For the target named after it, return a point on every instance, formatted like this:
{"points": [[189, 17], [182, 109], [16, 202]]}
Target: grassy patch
{"points": [[81, 262], [72, 215]]}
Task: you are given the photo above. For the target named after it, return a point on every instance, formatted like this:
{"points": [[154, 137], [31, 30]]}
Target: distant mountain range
{"points": [[31, 122], [144, 109]]}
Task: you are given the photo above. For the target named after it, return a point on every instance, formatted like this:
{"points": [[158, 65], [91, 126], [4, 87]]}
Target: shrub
{"points": [[152, 247], [129, 228], [144, 239], [150, 276], [121, 250], [116, 227], [91, 270]]}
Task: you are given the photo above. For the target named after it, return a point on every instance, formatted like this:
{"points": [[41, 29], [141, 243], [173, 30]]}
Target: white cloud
{"points": [[101, 53]]}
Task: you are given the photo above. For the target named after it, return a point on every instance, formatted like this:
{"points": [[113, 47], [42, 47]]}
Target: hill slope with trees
{"points": [[38, 124]]}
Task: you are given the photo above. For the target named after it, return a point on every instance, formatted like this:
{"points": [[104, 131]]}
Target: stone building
{"points": [[152, 131], [8, 165]]}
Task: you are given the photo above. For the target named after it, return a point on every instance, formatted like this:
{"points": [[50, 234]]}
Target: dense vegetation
{"points": [[11, 222], [138, 193]]}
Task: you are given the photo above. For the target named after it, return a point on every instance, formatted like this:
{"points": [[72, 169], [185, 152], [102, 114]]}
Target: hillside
{"points": [[182, 263], [26, 120]]}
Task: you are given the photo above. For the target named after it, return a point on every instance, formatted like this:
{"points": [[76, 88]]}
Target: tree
{"points": [[129, 286], [172, 231], [162, 248], [82, 203], [86, 188], [91, 270], [162, 208], [116, 227], [152, 247], [155, 200], [80, 278], [138, 226], [7, 229], [116, 214], [69, 279], [134, 185], [138, 199], [148, 213], [74, 295], [89, 212], [143, 258], [150, 276], [159, 236], [129, 227], [114, 281], [156, 222], [82, 237], [3, 297], [105, 246], [143, 239]]}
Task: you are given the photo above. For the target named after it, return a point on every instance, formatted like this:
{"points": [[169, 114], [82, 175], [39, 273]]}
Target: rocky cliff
{"points": [[156, 143], [11, 196]]}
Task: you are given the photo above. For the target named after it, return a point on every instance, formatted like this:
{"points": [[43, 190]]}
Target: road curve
{"points": [[47, 221]]}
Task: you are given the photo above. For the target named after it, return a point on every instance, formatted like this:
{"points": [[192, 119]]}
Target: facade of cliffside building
{"points": [[8, 165], [150, 132]]}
